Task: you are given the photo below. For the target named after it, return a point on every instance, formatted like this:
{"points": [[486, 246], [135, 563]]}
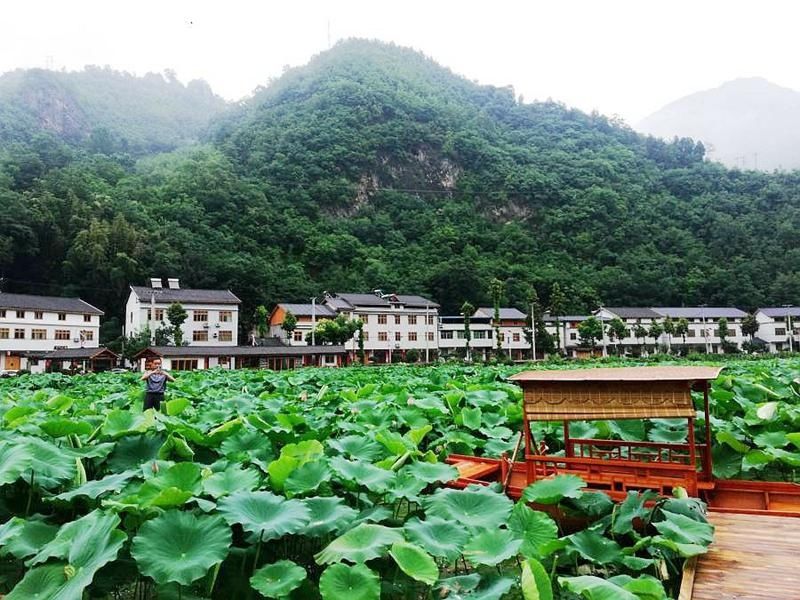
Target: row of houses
{"points": [[43, 332]]}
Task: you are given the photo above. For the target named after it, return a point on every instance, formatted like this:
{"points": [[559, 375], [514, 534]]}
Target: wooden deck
{"points": [[753, 557]]}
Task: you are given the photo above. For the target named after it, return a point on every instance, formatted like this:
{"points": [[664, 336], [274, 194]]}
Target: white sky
{"points": [[624, 57]]}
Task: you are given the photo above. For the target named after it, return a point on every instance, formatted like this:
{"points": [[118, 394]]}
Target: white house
{"points": [[305, 314], [213, 315], [39, 324], [779, 328], [452, 336], [565, 331]]}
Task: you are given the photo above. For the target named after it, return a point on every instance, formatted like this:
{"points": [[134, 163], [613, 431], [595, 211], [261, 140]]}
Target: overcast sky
{"points": [[627, 58]]}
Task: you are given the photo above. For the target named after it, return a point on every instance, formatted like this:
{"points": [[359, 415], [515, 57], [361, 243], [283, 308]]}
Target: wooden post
{"points": [[692, 458], [567, 443], [707, 466]]}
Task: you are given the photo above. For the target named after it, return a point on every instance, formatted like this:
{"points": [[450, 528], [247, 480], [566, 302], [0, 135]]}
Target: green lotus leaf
{"points": [[439, 537], [278, 579], [327, 515], [684, 550], [132, 452], [88, 542], [591, 504], [431, 472], [595, 588], [292, 457], [360, 544], [180, 547], [487, 398], [554, 489], [57, 428], [492, 547], [533, 527], [264, 514], [307, 477], [22, 538], [471, 587], [643, 587], [767, 411], [54, 581], [594, 547], [233, 479], [342, 582], [415, 562], [14, 461], [405, 485], [96, 488], [171, 487], [176, 447], [357, 446], [471, 417], [176, 406], [630, 509], [685, 530], [475, 506], [371, 477], [395, 443], [535, 582], [120, 423]]}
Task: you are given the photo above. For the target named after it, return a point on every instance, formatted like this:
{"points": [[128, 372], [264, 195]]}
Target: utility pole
{"points": [[427, 349], [789, 325], [602, 331], [705, 329], [313, 320], [533, 334]]}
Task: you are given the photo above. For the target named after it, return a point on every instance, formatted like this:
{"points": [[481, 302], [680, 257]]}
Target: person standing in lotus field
{"points": [[155, 386]]}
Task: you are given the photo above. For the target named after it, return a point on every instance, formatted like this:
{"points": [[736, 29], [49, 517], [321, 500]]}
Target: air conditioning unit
{"points": [[76, 340], [217, 325], [205, 325]]}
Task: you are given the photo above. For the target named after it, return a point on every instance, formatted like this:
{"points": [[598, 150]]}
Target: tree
{"points": [[655, 331], [496, 291], [261, 317], [176, 315], [640, 333], [617, 329], [467, 310], [361, 355], [557, 307], [669, 329], [335, 331], [163, 336], [682, 328], [544, 341], [750, 326], [724, 332], [289, 323], [590, 331]]}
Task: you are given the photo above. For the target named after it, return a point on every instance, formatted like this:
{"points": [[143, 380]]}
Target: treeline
{"points": [[374, 167]]}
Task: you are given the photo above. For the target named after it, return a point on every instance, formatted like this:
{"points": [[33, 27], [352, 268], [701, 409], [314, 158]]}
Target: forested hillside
{"points": [[374, 167], [107, 111]]}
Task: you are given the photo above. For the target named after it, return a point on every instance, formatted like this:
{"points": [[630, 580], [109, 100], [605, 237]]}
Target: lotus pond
{"points": [[327, 484]]}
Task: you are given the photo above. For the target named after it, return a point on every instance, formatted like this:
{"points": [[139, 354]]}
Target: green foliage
{"points": [[335, 331], [289, 323], [589, 331], [261, 317], [176, 315]]}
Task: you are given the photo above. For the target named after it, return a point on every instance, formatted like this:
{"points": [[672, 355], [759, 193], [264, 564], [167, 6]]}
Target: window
{"points": [[200, 316], [431, 319], [573, 336], [479, 335], [156, 314], [87, 335], [381, 319], [412, 336], [516, 337], [225, 316], [227, 336], [38, 315], [297, 336], [38, 334], [690, 333], [430, 336], [2, 314], [447, 335], [62, 316], [19, 334], [502, 337], [382, 336], [397, 319], [62, 334], [200, 335], [364, 319], [4, 333], [412, 319], [461, 334], [366, 335], [87, 318], [184, 364], [20, 314], [780, 331], [397, 336]]}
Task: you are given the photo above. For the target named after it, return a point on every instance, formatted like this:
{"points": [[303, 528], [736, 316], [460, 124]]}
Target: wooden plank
{"points": [[753, 557], [687, 581]]}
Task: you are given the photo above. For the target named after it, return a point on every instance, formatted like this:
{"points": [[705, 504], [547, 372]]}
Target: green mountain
{"points": [[747, 123], [374, 167], [105, 109]]}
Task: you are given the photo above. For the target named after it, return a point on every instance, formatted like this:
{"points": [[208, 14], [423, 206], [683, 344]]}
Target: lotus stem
{"points": [[258, 551], [30, 495], [214, 575]]}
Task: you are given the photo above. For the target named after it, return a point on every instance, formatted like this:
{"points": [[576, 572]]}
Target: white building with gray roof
{"points": [[779, 328]]}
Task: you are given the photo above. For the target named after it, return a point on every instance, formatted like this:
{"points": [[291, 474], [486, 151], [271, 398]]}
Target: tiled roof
{"points": [[47, 303], [348, 301], [779, 311], [505, 313], [414, 301], [547, 317], [305, 310], [185, 295], [633, 312], [696, 312]]}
